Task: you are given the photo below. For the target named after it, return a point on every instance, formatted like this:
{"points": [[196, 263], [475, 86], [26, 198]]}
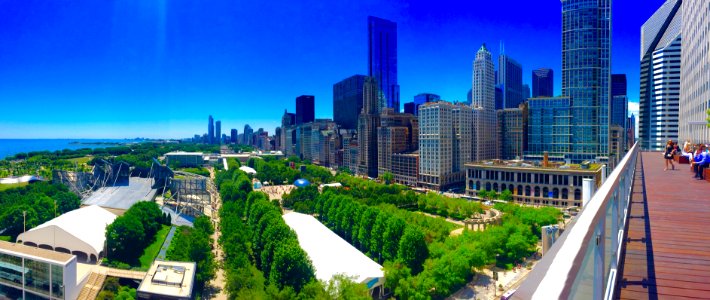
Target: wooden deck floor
{"points": [[668, 245]]}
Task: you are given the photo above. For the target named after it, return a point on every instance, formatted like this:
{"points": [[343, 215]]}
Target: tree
{"points": [[393, 234], [291, 266], [413, 249], [387, 177], [148, 214], [506, 195], [125, 238], [377, 236], [66, 202]]}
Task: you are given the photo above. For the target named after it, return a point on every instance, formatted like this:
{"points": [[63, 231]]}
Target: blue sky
{"points": [[115, 69]]}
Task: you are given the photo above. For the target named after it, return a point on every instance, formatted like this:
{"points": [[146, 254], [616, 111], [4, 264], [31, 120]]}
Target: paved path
{"points": [[215, 289], [667, 253], [166, 244]]}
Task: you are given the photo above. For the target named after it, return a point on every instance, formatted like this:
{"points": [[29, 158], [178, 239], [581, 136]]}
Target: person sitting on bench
{"points": [[701, 161], [688, 150]]}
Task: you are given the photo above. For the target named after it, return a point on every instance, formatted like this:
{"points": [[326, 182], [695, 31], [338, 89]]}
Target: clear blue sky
{"points": [[115, 69]]}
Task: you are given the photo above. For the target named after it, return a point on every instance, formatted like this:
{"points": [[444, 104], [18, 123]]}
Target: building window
{"points": [[577, 194], [537, 192]]}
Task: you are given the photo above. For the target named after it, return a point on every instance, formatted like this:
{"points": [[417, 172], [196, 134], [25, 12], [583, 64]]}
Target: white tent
{"points": [[331, 254], [247, 170], [80, 232]]}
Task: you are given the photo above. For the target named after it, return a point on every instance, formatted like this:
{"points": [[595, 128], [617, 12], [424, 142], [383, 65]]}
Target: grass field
{"points": [[152, 250], [81, 160], [5, 238], [12, 186]]}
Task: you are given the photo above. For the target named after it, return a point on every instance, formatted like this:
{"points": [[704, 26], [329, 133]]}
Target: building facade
{"points": [[397, 133], [405, 167], [512, 132], [218, 133], [557, 185], [444, 143], [510, 79], [210, 130], [34, 273], [305, 109], [695, 72], [586, 58], [549, 128], [347, 101], [660, 76], [382, 60], [483, 103], [542, 83], [368, 122]]}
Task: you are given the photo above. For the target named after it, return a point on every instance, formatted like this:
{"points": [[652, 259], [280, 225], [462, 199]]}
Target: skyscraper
{"points": [[210, 130], [512, 132], [218, 133], [510, 79], [233, 135], [542, 83], [660, 76], [368, 122], [526, 92], [619, 109], [305, 109], [382, 60], [424, 98], [695, 72], [484, 115], [618, 84], [411, 108], [347, 101], [586, 57], [247, 135], [397, 133]]}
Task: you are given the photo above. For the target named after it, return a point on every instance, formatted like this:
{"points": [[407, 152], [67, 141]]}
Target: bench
{"points": [[706, 174], [682, 159]]}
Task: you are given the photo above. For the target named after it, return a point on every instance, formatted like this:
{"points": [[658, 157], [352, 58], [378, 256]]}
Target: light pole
{"points": [[24, 214]]}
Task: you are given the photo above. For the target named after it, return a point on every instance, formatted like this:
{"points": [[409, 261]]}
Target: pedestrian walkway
{"points": [[667, 250], [166, 244]]}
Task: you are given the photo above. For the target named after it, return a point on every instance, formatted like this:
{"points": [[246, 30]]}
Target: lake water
{"points": [[10, 147]]}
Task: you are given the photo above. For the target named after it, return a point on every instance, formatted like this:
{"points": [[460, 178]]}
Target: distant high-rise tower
{"points": [[305, 109], [233, 135], [586, 58], [510, 79], [210, 131], [695, 72], [542, 83], [526, 92], [247, 135], [218, 133], [660, 77], [619, 106], [422, 98], [347, 101], [484, 115], [368, 122], [382, 60], [618, 85]]}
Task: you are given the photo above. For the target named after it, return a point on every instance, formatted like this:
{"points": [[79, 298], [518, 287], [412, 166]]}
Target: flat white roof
{"points": [[331, 254], [82, 229], [183, 153], [247, 170], [169, 278]]}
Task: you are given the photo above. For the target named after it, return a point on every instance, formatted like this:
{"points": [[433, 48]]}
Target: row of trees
{"points": [[40, 202], [263, 259], [130, 233], [278, 171], [195, 244], [454, 208], [380, 234], [506, 195]]}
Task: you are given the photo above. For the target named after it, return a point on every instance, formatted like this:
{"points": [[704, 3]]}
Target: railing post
{"points": [[587, 190], [603, 173], [615, 222], [599, 285]]}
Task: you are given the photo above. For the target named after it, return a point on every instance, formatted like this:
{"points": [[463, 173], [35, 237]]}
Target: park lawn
{"points": [[5, 238], [12, 185], [152, 250], [81, 160]]}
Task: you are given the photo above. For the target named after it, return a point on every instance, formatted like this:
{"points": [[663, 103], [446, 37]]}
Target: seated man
{"points": [[700, 162]]}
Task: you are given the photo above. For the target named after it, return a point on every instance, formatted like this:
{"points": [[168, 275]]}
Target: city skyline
{"points": [[102, 78]]}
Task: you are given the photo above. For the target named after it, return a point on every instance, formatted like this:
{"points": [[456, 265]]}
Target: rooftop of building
{"points": [[184, 153], [169, 278], [21, 249], [523, 164]]}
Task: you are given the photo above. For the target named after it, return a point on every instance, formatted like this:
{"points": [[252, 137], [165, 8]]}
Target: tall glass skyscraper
{"points": [[484, 114], [660, 76], [347, 101], [510, 79], [382, 59], [586, 57], [305, 109], [542, 83], [210, 131]]}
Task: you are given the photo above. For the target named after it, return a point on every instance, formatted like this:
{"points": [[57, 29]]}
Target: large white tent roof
{"points": [[82, 229], [331, 254], [247, 170]]}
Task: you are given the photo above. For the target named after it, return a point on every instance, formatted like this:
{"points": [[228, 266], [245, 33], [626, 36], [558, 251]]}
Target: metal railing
{"points": [[582, 264]]}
